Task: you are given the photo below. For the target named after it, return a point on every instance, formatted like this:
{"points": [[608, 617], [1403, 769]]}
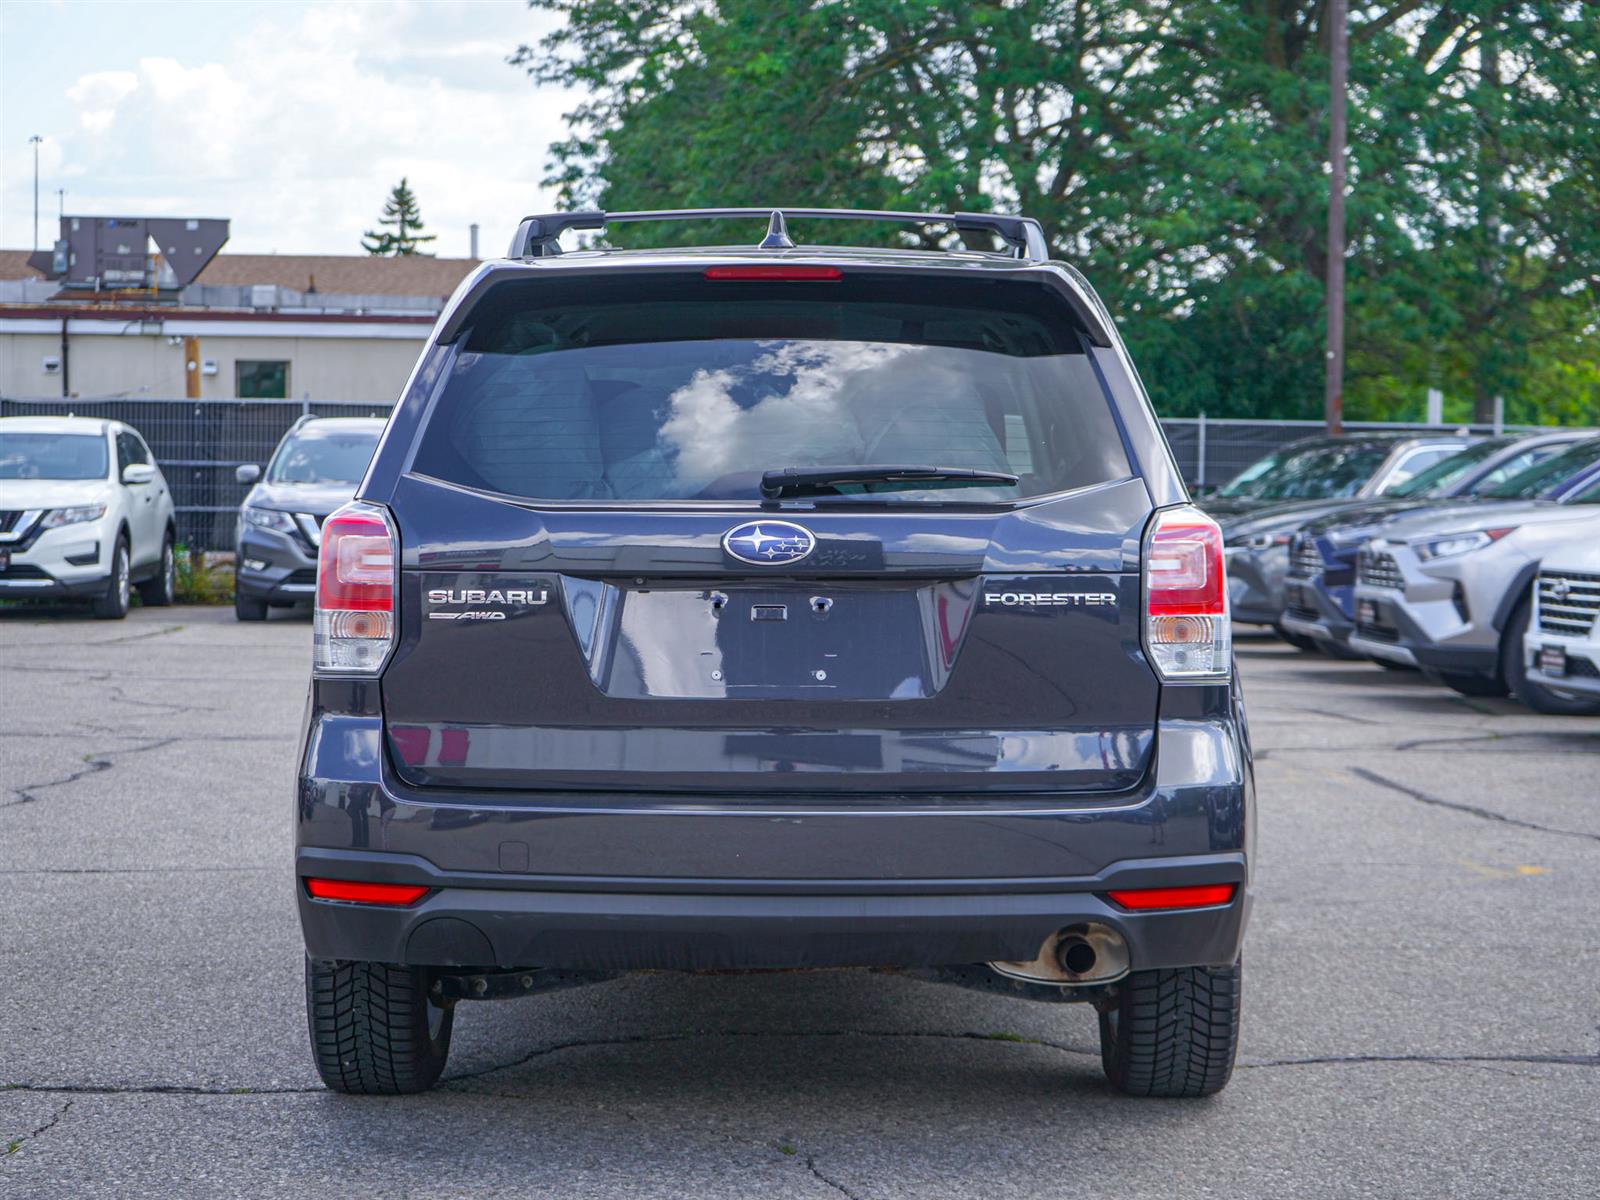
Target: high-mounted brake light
{"points": [[396, 894], [354, 626], [1148, 899], [790, 272], [1186, 625]]}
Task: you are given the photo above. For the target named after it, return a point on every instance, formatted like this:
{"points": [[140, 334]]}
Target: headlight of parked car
{"points": [[269, 518], [58, 517], [1265, 541], [1458, 543]]}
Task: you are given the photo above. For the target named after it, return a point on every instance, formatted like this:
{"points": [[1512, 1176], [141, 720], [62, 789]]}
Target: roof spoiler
{"points": [[538, 236]]}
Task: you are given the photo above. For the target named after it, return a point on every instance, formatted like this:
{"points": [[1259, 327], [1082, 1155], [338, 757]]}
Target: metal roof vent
{"points": [[777, 234]]}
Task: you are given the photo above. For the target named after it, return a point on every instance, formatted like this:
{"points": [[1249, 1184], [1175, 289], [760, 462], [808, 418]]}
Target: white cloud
{"points": [[97, 96], [297, 126]]}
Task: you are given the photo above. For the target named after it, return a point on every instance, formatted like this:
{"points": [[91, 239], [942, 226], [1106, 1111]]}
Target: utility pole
{"points": [[34, 142], [1339, 54]]}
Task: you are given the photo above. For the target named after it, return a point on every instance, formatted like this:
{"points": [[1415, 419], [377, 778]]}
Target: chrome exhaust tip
{"points": [[1078, 955]]}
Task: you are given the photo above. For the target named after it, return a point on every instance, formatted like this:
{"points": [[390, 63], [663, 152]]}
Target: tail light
{"points": [[1186, 629], [1153, 899], [395, 894], [354, 627], [784, 272]]}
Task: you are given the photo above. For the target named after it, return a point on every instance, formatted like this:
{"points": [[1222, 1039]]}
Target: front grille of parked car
{"points": [[303, 575], [1305, 560], [1568, 602], [8, 520], [1378, 569], [1582, 666]]}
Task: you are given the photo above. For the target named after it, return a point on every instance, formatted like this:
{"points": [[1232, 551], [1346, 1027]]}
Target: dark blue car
{"points": [[774, 606]]}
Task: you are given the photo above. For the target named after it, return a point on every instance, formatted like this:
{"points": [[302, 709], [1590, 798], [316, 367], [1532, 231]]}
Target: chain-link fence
{"points": [[199, 443]]}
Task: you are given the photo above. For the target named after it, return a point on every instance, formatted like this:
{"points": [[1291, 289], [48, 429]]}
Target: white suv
{"points": [[1562, 646], [84, 512]]}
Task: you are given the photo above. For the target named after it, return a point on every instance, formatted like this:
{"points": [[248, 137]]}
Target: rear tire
{"points": [[374, 1031], [1172, 1033], [157, 591], [248, 608], [1537, 696], [112, 605]]}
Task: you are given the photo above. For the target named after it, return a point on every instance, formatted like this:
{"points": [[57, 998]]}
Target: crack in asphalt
{"points": [[811, 1165], [122, 697], [12, 1147], [1473, 810], [95, 762], [446, 1084]]}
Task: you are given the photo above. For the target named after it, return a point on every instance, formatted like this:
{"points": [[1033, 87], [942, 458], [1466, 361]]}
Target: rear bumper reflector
{"points": [[1145, 899], [392, 894]]}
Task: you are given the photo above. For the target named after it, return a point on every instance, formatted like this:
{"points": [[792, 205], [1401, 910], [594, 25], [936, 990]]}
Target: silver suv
{"points": [[1447, 590]]}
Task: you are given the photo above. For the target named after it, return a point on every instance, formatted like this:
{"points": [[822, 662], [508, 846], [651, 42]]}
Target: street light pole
{"points": [[34, 141], [1339, 48]]}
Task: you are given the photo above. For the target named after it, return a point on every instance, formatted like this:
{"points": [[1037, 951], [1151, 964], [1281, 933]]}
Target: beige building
{"points": [[253, 326]]}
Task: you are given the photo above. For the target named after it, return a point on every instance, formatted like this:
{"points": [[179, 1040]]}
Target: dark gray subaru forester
{"points": [[773, 607]]}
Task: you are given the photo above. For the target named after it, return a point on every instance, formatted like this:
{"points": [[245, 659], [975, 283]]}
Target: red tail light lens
{"points": [[396, 895], [1147, 899], [354, 626], [792, 273], [1186, 629]]}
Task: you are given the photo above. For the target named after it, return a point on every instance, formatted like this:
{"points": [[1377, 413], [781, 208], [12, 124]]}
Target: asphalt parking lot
{"points": [[1422, 980]]}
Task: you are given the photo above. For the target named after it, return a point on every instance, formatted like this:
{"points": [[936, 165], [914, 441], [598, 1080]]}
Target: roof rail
{"points": [[537, 236]]}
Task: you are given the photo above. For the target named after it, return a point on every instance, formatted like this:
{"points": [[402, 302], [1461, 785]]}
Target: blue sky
{"points": [[291, 118]]}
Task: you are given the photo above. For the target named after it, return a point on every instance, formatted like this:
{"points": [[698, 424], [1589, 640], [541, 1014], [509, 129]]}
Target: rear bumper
{"points": [[603, 881], [497, 921]]}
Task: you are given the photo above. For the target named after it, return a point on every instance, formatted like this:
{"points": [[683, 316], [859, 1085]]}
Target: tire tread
{"points": [[1176, 1033]]}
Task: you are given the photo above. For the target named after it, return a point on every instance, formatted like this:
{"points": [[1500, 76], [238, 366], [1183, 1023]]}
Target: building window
{"points": [[261, 380]]}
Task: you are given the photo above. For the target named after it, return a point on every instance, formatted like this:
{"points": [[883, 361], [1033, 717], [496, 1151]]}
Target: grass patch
{"points": [[199, 581]]}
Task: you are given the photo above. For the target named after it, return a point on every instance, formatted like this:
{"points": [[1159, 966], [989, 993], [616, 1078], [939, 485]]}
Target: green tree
{"points": [[1175, 149], [403, 219]]}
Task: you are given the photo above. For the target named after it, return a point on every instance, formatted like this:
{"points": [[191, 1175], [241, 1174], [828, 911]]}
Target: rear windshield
{"points": [[1319, 472], [1552, 472], [318, 456], [657, 388], [52, 456]]}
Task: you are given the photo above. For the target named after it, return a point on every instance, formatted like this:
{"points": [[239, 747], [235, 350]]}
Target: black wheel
{"points": [[1468, 684], [1299, 641], [157, 591], [112, 605], [1539, 696], [374, 1031], [1172, 1033], [248, 608]]}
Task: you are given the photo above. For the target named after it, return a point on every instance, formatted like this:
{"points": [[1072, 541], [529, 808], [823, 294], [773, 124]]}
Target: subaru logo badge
{"points": [[768, 543]]}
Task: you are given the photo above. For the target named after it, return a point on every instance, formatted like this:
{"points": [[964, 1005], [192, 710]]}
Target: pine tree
{"points": [[404, 219]]}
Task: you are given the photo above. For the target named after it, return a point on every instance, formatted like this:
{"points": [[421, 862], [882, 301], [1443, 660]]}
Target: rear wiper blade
{"points": [[879, 477]]}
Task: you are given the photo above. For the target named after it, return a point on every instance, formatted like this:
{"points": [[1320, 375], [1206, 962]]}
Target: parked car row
{"points": [[1478, 570], [86, 514]]}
